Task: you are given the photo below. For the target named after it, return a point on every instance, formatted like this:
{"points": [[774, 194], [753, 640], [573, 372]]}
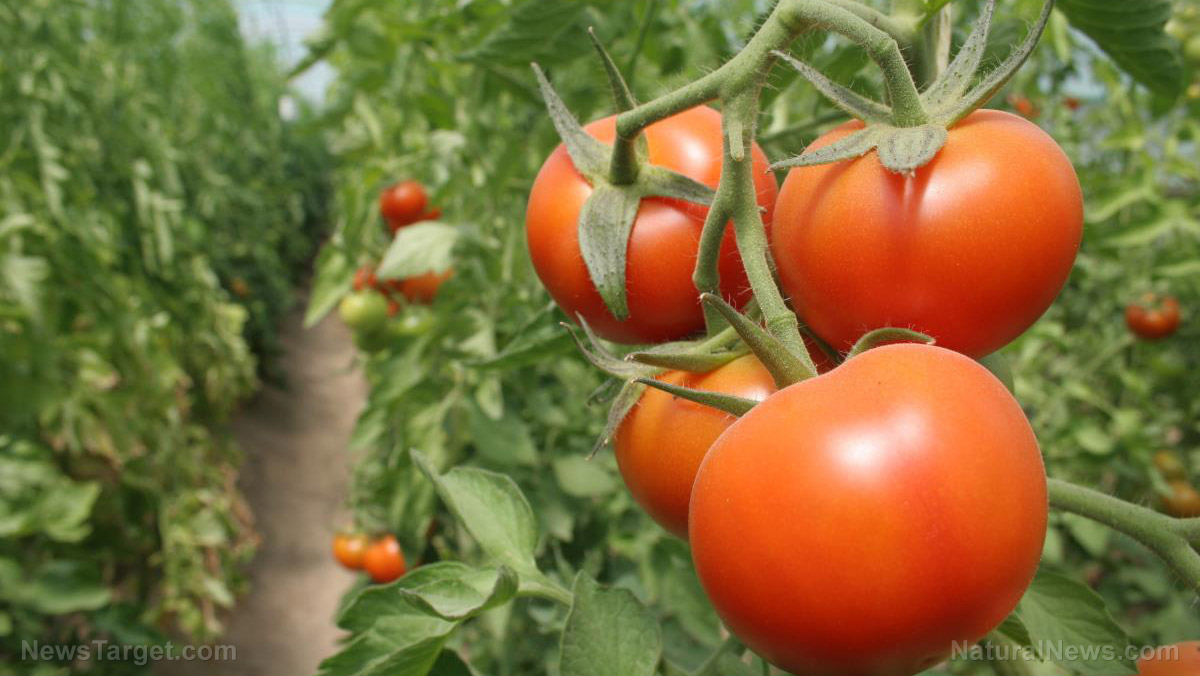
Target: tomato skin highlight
{"points": [[1185, 663], [1153, 318], [661, 442], [858, 523], [349, 550], [971, 249], [403, 203], [384, 561], [663, 301]]}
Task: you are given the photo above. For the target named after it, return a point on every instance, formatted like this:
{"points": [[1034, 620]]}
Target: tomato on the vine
{"points": [[862, 521], [364, 279], [349, 549], [383, 560], [423, 288], [971, 248], [1183, 501], [403, 203], [1180, 659], [1153, 318], [363, 311], [662, 440], [663, 301]]}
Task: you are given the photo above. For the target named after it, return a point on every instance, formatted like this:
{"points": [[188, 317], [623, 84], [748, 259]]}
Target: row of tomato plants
{"points": [[156, 213]]}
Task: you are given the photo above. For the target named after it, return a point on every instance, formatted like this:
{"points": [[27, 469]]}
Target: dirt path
{"points": [[295, 477]]}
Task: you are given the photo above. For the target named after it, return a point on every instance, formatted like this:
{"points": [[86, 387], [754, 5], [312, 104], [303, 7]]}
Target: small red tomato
{"points": [[403, 203], [661, 442], [1181, 659], [383, 560], [1183, 501], [1072, 103], [364, 278], [423, 288], [349, 549], [1153, 318], [861, 522], [1024, 106]]}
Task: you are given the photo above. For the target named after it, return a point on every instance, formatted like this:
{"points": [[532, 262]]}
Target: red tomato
{"points": [[661, 442], [422, 288], [860, 522], [1183, 501], [1181, 659], [1072, 103], [1153, 318], [349, 550], [1024, 106], [383, 560], [663, 302], [971, 249], [364, 278], [402, 203]]}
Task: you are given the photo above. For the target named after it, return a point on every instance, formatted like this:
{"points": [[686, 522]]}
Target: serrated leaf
{"points": [[455, 591], [608, 633], [419, 249], [394, 646], [535, 31], [1060, 611], [61, 587], [1131, 33], [493, 509]]}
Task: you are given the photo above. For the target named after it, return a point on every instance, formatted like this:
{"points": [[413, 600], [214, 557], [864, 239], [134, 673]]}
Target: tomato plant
{"points": [[972, 262], [662, 242]]}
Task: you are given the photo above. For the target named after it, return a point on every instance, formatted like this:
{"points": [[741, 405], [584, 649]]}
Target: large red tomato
{"points": [[971, 248], [661, 442], [858, 523], [1181, 659], [663, 302]]}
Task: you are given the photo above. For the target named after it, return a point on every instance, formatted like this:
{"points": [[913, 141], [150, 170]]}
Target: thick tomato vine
{"points": [[971, 248], [862, 521], [663, 301], [661, 442]]}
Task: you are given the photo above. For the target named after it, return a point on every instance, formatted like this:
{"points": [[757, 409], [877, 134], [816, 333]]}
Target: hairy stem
{"points": [[1173, 540]]}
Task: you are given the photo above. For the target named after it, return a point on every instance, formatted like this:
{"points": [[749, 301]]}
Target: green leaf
{"points": [[505, 441], [394, 646], [493, 510], [536, 30], [1131, 33], [333, 279], [450, 664], [608, 633], [1060, 611], [455, 591], [66, 587], [419, 249], [583, 478]]}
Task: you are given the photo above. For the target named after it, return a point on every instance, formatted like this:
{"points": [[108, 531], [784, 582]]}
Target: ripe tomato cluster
{"points": [[380, 558], [373, 302], [899, 499]]}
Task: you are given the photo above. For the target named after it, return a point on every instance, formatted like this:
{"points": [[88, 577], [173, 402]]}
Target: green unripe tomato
{"points": [[364, 311], [414, 321]]}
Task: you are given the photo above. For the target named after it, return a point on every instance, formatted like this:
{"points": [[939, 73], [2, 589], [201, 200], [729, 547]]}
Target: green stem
{"points": [[1173, 540], [709, 668], [900, 27], [643, 31], [547, 589], [707, 276]]}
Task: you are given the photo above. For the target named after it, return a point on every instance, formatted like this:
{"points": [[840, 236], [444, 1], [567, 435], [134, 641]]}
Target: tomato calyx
{"points": [[886, 336], [620, 178], [907, 142]]}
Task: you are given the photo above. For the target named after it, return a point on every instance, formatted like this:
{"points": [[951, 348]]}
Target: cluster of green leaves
{"points": [[154, 209], [510, 541]]}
